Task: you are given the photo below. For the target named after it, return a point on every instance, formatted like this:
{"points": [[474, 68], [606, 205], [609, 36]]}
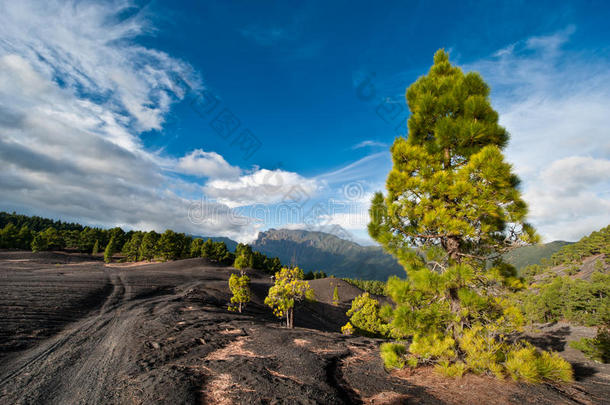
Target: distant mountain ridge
{"points": [[329, 253], [342, 258]]}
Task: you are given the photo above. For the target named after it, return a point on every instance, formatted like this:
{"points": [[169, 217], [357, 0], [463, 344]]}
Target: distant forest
{"points": [[43, 234], [557, 292]]}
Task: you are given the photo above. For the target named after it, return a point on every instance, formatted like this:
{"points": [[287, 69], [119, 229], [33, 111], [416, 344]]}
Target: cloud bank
{"points": [[76, 93], [554, 102]]}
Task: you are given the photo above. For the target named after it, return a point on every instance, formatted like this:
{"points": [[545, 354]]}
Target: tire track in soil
{"points": [[79, 364], [29, 357]]}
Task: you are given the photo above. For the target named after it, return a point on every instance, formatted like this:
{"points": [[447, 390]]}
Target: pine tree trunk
{"points": [[456, 308], [454, 301], [291, 318], [240, 307], [452, 245]]}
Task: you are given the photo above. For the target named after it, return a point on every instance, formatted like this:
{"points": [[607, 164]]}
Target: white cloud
{"points": [[207, 164], [571, 197], [554, 104], [371, 169], [576, 174], [356, 219], [261, 187], [76, 93], [368, 143]]}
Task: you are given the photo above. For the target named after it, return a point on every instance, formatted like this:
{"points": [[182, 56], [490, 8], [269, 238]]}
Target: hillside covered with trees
{"points": [[573, 285]]}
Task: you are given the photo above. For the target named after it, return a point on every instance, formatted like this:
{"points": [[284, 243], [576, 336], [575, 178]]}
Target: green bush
{"points": [[347, 329], [483, 352], [451, 370], [365, 316], [527, 364], [432, 347], [336, 296], [393, 355]]}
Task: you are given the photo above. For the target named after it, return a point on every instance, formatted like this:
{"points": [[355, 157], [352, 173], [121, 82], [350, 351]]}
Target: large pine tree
{"points": [[452, 207]]}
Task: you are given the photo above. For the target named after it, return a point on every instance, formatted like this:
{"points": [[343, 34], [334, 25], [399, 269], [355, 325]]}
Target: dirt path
{"points": [[79, 364], [89, 361]]}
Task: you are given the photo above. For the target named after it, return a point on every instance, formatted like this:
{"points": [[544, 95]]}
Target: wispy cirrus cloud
{"points": [[369, 144]]}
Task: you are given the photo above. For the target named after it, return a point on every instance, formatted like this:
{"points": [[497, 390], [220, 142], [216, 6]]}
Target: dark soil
{"points": [[76, 331]]}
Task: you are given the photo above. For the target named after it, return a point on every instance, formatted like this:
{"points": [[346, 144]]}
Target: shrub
{"points": [[336, 296], [393, 355], [483, 352], [365, 316], [551, 366], [347, 329], [525, 363], [452, 370], [432, 347]]}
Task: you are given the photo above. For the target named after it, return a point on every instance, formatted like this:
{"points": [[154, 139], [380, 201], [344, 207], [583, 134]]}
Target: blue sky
{"points": [[98, 123]]}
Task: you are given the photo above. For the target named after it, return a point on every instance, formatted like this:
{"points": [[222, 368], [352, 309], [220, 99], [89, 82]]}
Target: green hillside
{"points": [[528, 255], [573, 285]]}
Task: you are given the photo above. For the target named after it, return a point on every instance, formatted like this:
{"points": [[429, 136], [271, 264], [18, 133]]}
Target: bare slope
{"points": [[161, 334]]}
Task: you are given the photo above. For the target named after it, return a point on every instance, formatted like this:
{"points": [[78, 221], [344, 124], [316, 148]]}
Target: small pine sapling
{"points": [[240, 287], [336, 296], [366, 317], [289, 288], [109, 251]]}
